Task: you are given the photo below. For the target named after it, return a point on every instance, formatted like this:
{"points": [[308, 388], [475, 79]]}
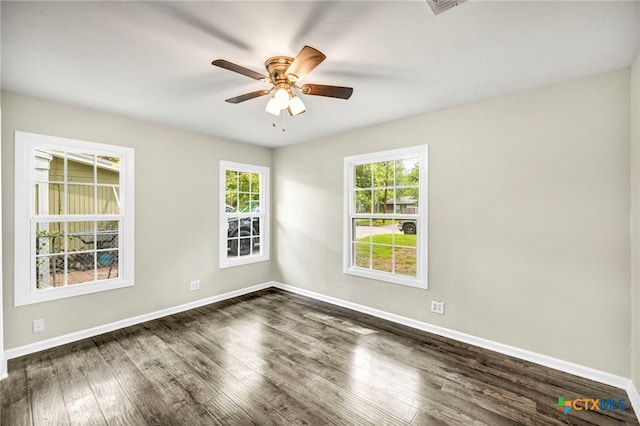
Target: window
{"points": [[73, 217], [386, 216], [244, 221]]}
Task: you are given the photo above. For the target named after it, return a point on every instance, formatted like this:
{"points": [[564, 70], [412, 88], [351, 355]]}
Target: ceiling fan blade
{"points": [[304, 63], [329, 91], [247, 96], [222, 63]]}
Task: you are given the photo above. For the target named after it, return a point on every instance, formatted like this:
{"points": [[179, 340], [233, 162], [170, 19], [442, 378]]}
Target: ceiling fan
{"points": [[284, 75]]}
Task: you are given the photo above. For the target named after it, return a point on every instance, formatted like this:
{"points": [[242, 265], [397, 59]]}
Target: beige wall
{"points": [[528, 216], [176, 217], [635, 223]]}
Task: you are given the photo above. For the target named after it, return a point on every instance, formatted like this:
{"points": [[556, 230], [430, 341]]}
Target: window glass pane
{"points": [[49, 271], [363, 176], [244, 181], [382, 258], [407, 201], [363, 230], [363, 201], [80, 199], [232, 236], [81, 267], [384, 201], [51, 161], [407, 172], [245, 246], [255, 224], [48, 199], [80, 168], [390, 205], [108, 199], [405, 261], [383, 175], [243, 201], [49, 238], [362, 255], [107, 234], [108, 170], [231, 194], [81, 236], [107, 264], [254, 206], [231, 201], [255, 183], [56, 198]]}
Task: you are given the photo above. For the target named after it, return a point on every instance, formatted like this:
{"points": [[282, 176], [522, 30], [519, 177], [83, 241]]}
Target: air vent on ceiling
{"points": [[439, 6]]}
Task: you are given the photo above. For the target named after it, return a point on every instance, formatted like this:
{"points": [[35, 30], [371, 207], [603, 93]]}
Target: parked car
{"points": [[408, 226], [246, 229]]}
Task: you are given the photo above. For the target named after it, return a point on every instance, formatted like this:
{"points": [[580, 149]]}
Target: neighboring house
{"points": [[404, 205], [50, 192], [79, 186]]}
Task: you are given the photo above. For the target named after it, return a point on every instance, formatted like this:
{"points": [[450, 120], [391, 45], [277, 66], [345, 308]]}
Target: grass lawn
{"points": [[377, 253]]}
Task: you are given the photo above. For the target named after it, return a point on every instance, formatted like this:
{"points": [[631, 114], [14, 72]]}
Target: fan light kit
{"points": [[284, 75]]}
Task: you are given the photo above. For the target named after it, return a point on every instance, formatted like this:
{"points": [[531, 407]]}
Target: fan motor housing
{"points": [[277, 67]]}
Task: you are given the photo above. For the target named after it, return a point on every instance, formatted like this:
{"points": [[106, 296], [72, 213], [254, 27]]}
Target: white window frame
{"points": [[26, 145], [264, 215], [421, 278]]}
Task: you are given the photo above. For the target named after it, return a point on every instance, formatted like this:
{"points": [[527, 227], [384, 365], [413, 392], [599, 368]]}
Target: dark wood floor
{"points": [[278, 358]]}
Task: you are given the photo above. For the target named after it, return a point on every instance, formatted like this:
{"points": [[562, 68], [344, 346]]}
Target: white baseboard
{"points": [[536, 358], [83, 334], [634, 397]]}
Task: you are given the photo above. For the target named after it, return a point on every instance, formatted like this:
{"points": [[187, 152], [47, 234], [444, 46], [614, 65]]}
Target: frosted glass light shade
{"points": [[296, 106], [272, 107], [282, 98]]}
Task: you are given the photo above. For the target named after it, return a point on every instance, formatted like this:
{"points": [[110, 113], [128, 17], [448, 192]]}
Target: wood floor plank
{"points": [[47, 404], [82, 406], [277, 358], [15, 408], [148, 400], [114, 403]]}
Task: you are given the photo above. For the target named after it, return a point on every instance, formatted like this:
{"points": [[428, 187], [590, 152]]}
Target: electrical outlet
{"points": [[437, 307], [38, 325], [195, 285]]}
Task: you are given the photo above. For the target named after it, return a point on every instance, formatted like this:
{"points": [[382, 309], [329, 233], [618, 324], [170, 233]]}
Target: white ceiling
{"points": [[152, 60]]}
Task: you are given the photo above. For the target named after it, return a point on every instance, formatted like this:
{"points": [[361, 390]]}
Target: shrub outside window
{"points": [[74, 217], [386, 216], [244, 224]]}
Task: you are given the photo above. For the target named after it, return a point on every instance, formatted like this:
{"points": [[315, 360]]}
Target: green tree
{"points": [[242, 190]]}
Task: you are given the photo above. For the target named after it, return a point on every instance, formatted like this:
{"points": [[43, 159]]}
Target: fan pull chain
{"points": [[283, 128], [273, 124]]}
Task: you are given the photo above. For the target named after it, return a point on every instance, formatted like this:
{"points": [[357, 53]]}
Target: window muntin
{"points": [[74, 232], [243, 224], [385, 228]]}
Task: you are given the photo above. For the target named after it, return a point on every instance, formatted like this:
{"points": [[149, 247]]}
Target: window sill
{"points": [[387, 277], [46, 295]]}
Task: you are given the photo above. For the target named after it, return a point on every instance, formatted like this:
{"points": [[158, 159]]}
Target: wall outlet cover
{"points": [[38, 325], [437, 307]]}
